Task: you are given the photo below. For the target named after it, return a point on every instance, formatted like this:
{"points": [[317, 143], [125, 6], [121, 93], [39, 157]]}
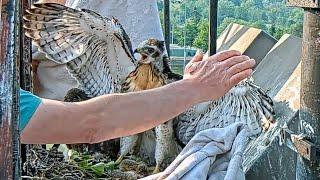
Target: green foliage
{"points": [[270, 15], [88, 164], [201, 40]]}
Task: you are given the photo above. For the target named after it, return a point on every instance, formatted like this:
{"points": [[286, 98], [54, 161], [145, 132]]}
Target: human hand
{"points": [[214, 76]]}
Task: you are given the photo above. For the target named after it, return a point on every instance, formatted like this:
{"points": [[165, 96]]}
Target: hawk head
{"points": [[151, 51]]}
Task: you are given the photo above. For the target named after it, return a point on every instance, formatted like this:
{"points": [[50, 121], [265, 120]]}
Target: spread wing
{"points": [[96, 49], [246, 103]]}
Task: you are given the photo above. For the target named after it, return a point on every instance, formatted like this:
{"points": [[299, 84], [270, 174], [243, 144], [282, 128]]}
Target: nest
{"points": [[52, 164]]}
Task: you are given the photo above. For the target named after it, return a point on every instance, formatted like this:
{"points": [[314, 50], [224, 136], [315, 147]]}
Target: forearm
{"points": [[127, 114], [108, 116]]}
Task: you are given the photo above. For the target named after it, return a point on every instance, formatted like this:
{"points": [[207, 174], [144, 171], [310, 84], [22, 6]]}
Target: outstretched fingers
{"points": [[224, 55], [235, 79], [238, 68], [234, 60], [241, 66]]}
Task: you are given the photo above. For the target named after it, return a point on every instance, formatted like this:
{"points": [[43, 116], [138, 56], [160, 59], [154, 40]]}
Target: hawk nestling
{"points": [[149, 74], [245, 103]]}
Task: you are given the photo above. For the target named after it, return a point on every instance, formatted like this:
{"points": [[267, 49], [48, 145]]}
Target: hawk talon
{"points": [[119, 160], [265, 126], [156, 169]]}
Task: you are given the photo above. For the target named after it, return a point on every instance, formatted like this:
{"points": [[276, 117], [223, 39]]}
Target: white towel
{"points": [[211, 154]]}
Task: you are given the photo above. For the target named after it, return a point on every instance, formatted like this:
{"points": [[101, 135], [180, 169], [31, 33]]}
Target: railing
{"points": [[213, 14]]}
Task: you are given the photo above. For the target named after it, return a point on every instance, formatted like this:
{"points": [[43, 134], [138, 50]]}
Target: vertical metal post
{"points": [[25, 66], [9, 96], [310, 92], [213, 24], [25, 51], [184, 35], [166, 18]]}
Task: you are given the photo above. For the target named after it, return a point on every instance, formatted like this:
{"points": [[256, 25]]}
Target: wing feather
{"points": [[245, 103], [96, 49]]}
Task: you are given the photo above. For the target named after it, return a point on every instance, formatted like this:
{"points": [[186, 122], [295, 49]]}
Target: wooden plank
{"points": [[252, 42], [9, 141], [278, 65], [310, 94]]}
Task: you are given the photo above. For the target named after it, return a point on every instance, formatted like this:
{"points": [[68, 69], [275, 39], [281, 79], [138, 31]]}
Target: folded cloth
{"points": [[211, 154]]}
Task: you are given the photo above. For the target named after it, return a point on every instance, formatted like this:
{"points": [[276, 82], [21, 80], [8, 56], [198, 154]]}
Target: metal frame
{"points": [[305, 148], [213, 16]]}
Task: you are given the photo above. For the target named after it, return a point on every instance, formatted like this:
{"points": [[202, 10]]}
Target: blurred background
{"points": [[189, 22]]}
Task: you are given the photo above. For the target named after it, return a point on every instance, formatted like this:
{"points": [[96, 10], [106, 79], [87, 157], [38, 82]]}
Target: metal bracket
{"points": [[305, 148]]}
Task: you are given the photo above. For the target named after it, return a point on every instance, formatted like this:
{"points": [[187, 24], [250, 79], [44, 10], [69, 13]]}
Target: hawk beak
{"points": [[143, 55]]}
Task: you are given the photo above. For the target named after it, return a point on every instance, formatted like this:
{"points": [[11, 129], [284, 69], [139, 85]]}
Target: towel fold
{"points": [[211, 154]]}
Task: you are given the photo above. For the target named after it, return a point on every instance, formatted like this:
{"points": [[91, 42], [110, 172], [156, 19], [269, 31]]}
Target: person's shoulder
{"points": [[23, 91], [28, 96], [28, 105]]}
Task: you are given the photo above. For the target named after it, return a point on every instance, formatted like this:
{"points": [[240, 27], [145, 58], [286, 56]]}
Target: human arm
{"points": [[107, 116], [114, 115]]}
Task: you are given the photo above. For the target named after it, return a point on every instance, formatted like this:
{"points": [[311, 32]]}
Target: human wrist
{"points": [[192, 89]]}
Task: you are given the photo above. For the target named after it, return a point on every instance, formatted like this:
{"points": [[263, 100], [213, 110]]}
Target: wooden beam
{"points": [[9, 96], [310, 95]]}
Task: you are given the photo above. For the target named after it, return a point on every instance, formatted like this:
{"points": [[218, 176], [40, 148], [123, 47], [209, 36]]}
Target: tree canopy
{"points": [[273, 16]]}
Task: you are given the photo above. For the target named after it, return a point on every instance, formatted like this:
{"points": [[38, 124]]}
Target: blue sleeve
{"points": [[28, 106]]}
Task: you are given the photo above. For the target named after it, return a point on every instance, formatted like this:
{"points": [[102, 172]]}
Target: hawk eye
{"points": [[150, 50]]}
